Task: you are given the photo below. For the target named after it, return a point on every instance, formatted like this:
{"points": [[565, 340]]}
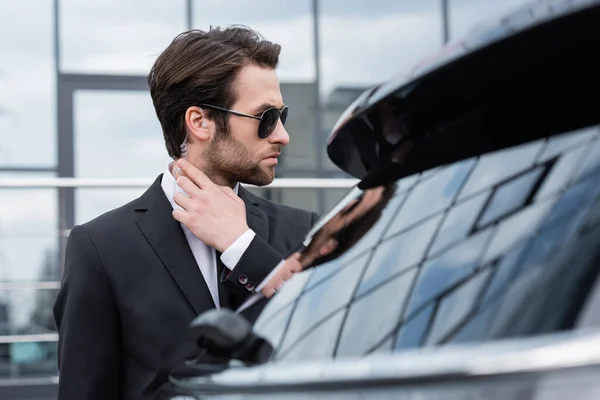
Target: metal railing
{"points": [[109, 183], [57, 183]]}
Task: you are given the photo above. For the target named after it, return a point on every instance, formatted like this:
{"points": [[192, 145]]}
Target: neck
{"points": [[214, 176]]}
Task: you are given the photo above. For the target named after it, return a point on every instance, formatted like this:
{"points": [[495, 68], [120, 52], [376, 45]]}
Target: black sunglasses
{"points": [[268, 119]]}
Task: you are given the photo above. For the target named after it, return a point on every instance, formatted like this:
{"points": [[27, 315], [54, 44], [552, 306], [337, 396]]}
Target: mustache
{"points": [[275, 149]]}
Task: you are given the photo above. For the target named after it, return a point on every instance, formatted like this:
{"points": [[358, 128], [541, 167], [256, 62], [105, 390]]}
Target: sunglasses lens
{"points": [[268, 123]]}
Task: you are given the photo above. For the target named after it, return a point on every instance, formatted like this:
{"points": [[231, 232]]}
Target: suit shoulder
{"points": [[285, 212]]}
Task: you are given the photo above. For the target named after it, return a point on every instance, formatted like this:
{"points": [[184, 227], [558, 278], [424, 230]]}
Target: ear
{"points": [[196, 123]]}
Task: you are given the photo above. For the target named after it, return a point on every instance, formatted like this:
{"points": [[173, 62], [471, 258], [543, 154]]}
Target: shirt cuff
{"points": [[231, 256], [268, 278]]}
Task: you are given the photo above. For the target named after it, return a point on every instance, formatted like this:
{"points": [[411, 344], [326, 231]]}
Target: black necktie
{"points": [[225, 298]]}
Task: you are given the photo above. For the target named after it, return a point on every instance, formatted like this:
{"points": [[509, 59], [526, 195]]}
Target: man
{"points": [[136, 276]]}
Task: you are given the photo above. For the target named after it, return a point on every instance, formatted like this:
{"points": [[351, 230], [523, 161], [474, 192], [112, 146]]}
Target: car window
{"points": [[477, 250]]}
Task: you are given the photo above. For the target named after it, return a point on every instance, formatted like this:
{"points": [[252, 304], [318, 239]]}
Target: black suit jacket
{"points": [[131, 286]]}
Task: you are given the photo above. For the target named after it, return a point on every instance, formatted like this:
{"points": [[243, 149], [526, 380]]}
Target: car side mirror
{"points": [[225, 335]]}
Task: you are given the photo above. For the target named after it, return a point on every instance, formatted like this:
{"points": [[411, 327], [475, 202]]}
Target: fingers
{"points": [[328, 247], [229, 192], [181, 216], [371, 197], [188, 186], [199, 178], [294, 264], [183, 201]]}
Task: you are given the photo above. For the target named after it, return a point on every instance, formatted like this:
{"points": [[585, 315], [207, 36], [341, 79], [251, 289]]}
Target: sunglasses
{"points": [[268, 119]]}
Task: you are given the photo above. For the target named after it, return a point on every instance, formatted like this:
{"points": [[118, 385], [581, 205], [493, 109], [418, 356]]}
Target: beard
{"points": [[233, 162]]}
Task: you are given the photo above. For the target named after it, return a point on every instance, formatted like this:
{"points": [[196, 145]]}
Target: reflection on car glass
{"points": [[558, 145], [372, 317], [477, 327], [427, 277], [369, 240], [319, 343], [412, 332], [458, 222], [273, 328], [289, 292], [431, 195], [441, 273], [516, 229], [505, 270], [398, 253], [510, 196], [592, 163], [455, 306], [562, 172], [324, 299], [495, 167], [383, 347], [549, 271]]}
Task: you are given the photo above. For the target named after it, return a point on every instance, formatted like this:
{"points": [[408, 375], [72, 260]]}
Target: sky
{"points": [[361, 43]]}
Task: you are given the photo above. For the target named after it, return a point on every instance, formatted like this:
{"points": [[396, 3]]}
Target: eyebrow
{"points": [[263, 107]]}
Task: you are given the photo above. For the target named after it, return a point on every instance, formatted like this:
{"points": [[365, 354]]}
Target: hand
{"points": [[214, 214], [284, 272]]}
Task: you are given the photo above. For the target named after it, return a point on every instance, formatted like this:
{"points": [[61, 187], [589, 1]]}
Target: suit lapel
{"points": [[166, 237], [256, 218]]}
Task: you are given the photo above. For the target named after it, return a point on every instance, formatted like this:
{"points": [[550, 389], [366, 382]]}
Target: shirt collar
{"points": [[169, 186]]}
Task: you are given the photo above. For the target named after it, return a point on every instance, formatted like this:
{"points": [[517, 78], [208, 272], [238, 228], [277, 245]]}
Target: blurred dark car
{"points": [[464, 265]]}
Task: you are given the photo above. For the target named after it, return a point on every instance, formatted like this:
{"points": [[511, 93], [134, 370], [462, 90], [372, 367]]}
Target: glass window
{"points": [[409, 30], [352, 36], [27, 84], [441, 273], [510, 196], [454, 307], [117, 135], [28, 359], [288, 292], [493, 168], [431, 195], [591, 165], [561, 172], [465, 15], [319, 343], [413, 331], [468, 285], [411, 244], [273, 327], [90, 203], [560, 144], [28, 232], [27, 312], [458, 222], [323, 299], [116, 37], [375, 315], [515, 229]]}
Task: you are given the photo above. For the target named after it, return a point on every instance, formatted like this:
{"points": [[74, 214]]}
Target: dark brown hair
{"points": [[201, 67]]}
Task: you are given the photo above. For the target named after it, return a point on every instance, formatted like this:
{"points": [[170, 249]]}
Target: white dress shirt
{"points": [[205, 256]]}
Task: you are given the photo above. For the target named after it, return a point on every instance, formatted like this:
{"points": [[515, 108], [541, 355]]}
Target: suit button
{"points": [[249, 287], [243, 279]]}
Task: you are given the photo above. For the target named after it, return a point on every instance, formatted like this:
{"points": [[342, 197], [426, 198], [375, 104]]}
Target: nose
{"points": [[279, 135]]}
